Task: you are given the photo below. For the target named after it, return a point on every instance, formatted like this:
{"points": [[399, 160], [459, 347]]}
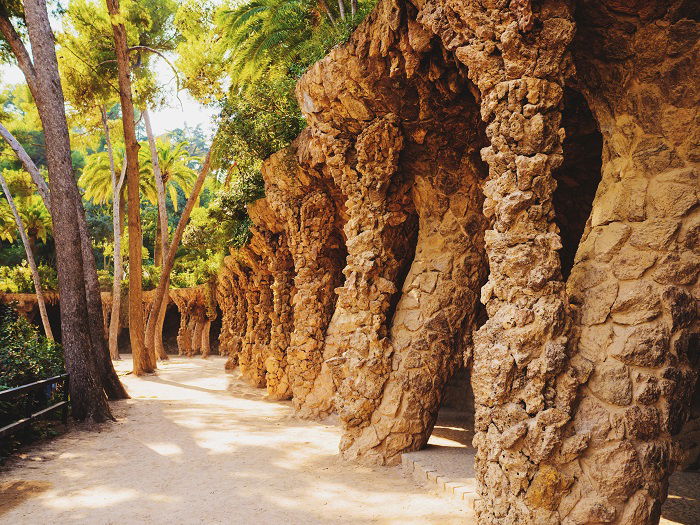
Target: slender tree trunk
{"points": [[353, 8], [144, 362], [110, 382], [158, 334], [122, 202], [157, 251], [114, 317], [162, 240], [30, 260], [29, 165], [170, 259], [341, 9], [87, 394], [328, 11]]}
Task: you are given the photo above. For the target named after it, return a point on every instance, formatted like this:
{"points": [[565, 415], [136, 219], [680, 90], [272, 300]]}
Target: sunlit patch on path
{"points": [[196, 445]]}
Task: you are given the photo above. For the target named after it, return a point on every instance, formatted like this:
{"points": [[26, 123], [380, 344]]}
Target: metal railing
{"points": [[49, 386]]}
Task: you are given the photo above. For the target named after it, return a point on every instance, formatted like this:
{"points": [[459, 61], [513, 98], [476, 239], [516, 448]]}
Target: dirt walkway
{"points": [[197, 446]]}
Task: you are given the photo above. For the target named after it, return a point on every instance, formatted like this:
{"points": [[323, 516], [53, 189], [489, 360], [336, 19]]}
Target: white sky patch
{"points": [[175, 114]]}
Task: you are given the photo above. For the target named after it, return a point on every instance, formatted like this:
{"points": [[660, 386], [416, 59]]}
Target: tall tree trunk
{"points": [[353, 8], [328, 11], [30, 260], [111, 384], [341, 9], [157, 344], [144, 362], [28, 164], [87, 394], [170, 259], [157, 251], [117, 227]]}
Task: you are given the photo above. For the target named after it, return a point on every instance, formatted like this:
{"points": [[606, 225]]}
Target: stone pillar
{"points": [[282, 320], [184, 337], [431, 329], [246, 358], [196, 344], [311, 240], [301, 199], [205, 344], [635, 277], [522, 387], [358, 333]]}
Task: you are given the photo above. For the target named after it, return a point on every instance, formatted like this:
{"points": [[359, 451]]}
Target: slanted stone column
{"points": [[258, 300], [309, 218], [431, 328], [282, 320], [184, 335], [635, 277], [205, 344], [358, 332], [198, 321], [239, 321]]}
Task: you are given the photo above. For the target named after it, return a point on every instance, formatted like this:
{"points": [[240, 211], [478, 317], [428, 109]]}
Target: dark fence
{"points": [[33, 396]]}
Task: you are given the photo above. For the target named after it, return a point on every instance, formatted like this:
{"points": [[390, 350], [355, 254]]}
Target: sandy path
{"points": [[195, 445]]}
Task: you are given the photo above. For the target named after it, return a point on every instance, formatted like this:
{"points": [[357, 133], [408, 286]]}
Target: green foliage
{"points": [[174, 160], [25, 357], [195, 268], [268, 37], [86, 50], [256, 123], [225, 222], [18, 278]]}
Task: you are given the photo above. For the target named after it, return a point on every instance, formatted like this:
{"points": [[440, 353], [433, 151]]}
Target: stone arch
{"points": [[404, 152]]}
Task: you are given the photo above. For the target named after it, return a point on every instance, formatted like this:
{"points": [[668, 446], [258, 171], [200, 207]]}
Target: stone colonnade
{"points": [[506, 185]]}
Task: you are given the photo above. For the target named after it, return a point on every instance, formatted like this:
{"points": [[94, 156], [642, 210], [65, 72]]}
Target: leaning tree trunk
{"points": [[87, 395], [117, 227], [144, 363], [170, 259], [30, 260], [163, 230]]}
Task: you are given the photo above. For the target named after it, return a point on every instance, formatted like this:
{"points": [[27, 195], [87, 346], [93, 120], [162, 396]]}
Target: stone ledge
{"points": [[428, 467]]}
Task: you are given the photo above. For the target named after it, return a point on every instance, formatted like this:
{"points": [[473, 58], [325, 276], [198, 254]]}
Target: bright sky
{"points": [[163, 120]]}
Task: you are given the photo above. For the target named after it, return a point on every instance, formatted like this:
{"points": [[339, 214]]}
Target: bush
{"points": [[18, 279], [25, 357]]}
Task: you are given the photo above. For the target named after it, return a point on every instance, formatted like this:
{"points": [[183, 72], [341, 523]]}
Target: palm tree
{"points": [[174, 161], [36, 219], [261, 34], [8, 226], [96, 179]]}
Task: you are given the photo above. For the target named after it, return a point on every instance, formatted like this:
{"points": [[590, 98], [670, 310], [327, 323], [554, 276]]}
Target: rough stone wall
{"points": [[583, 373], [635, 279]]}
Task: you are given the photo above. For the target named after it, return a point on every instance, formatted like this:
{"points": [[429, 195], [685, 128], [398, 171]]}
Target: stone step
{"points": [[424, 468]]}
